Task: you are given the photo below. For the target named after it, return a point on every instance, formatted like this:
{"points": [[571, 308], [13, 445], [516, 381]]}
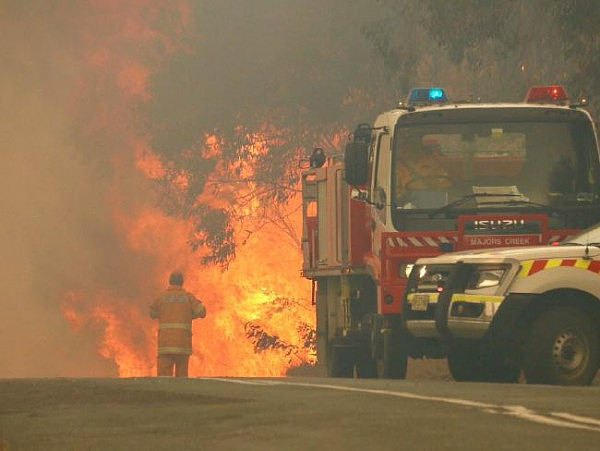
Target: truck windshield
{"points": [[517, 158]]}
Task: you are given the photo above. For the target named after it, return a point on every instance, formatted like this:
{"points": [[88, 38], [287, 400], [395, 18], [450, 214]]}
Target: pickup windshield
{"points": [[529, 157], [587, 237]]}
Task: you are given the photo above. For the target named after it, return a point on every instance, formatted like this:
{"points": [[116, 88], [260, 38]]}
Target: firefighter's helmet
{"points": [[176, 278], [317, 158]]}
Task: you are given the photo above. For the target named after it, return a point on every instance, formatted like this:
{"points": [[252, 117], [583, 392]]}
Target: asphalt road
{"points": [[294, 414]]}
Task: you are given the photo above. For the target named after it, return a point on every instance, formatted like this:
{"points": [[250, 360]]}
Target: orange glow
{"points": [[133, 81], [147, 162]]}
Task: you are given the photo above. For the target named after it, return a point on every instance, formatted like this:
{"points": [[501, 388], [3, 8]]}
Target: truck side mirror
{"points": [[356, 163]]}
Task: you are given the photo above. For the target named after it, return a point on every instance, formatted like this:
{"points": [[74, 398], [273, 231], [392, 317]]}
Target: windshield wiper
{"points": [[467, 198], [525, 202], [573, 243]]}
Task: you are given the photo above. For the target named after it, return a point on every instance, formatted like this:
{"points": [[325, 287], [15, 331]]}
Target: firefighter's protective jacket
{"points": [[175, 310]]}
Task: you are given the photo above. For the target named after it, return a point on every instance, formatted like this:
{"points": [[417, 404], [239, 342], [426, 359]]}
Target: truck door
{"points": [[380, 187]]}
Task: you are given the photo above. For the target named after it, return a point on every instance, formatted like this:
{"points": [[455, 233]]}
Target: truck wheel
{"points": [[499, 370], [395, 356], [341, 363], [366, 366], [474, 362], [376, 340], [464, 363], [563, 348]]}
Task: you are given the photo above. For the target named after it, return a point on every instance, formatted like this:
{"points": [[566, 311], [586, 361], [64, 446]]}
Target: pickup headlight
{"points": [[486, 278], [405, 269], [431, 278]]}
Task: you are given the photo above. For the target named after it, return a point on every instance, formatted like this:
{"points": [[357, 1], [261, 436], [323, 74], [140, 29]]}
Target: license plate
{"points": [[420, 302]]}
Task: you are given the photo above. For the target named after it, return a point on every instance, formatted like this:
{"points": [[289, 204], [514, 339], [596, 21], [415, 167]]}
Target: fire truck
{"points": [[429, 177]]}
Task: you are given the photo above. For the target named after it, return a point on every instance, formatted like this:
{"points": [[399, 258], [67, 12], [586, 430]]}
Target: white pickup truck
{"points": [[496, 312]]}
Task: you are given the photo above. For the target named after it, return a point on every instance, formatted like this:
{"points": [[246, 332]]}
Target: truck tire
{"points": [[464, 363], [395, 356], [366, 366], [563, 348], [499, 370], [341, 362], [376, 339], [474, 362]]}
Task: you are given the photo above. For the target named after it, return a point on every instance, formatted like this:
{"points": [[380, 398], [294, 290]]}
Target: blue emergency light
{"points": [[435, 94], [426, 96]]}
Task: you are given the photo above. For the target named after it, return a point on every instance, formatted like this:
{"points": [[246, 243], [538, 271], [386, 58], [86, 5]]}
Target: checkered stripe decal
{"points": [[419, 241], [531, 267]]}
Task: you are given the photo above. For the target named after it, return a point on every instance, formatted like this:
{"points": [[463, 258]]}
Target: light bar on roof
{"points": [[426, 96], [546, 94]]}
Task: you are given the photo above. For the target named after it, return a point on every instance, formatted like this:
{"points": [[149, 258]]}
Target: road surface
{"points": [[297, 413]]}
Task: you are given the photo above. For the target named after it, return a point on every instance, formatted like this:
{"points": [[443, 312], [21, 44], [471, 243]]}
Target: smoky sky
{"points": [[239, 63], [283, 61], [51, 207]]}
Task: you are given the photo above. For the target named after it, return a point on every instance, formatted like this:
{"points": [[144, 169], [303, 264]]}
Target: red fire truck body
{"points": [[431, 177]]}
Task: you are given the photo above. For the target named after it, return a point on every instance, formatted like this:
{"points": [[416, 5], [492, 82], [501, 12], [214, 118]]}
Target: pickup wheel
{"points": [[474, 362], [563, 348], [341, 362], [464, 363]]}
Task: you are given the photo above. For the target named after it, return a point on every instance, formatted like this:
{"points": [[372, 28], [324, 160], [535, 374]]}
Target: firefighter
{"points": [[175, 310], [419, 168]]}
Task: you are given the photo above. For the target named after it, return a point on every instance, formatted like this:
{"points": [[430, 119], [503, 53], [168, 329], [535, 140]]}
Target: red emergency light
{"points": [[546, 94]]}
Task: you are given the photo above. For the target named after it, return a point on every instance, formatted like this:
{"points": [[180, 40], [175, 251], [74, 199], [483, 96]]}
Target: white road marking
{"points": [[526, 414], [241, 381], [556, 419], [568, 416]]}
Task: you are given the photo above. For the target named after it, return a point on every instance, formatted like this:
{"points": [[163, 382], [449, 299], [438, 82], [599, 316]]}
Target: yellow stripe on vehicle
{"points": [[583, 264], [525, 268], [553, 263], [476, 298]]}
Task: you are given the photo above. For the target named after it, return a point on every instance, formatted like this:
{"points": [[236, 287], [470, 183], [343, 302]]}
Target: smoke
{"points": [[65, 158], [53, 208], [292, 63], [78, 80]]}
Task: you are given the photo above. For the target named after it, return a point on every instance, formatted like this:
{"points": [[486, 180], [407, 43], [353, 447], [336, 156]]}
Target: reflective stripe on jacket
{"points": [[175, 310]]}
